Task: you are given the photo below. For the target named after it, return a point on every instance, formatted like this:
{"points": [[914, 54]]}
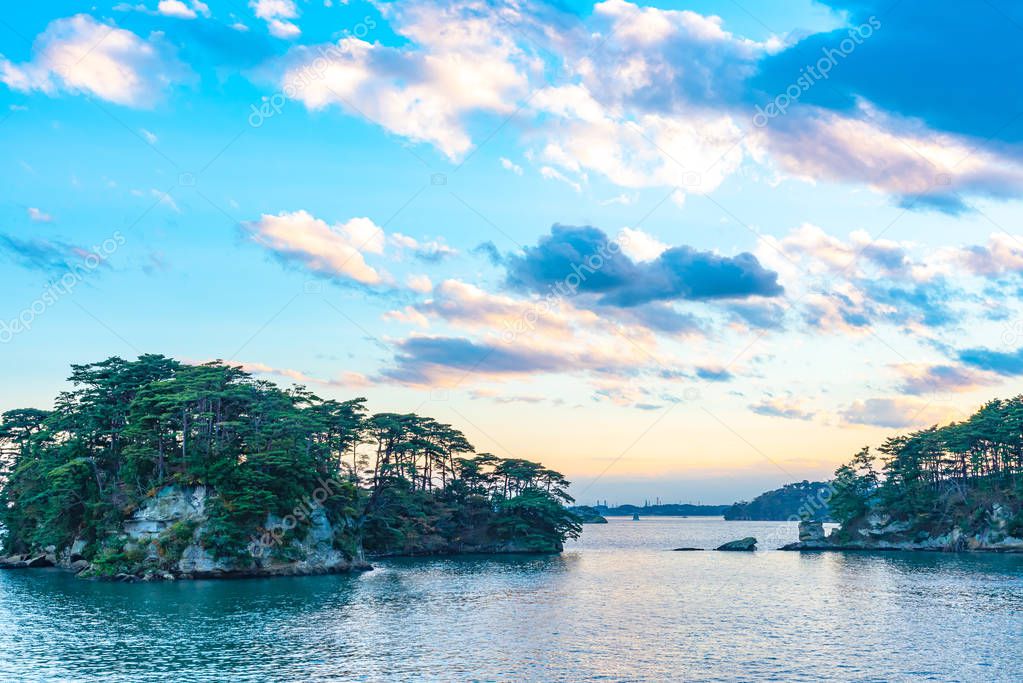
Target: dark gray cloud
{"points": [[942, 378], [489, 250], [658, 317], [421, 359], [924, 303], [781, 409], [761, 315], [583, 260], [928, 304]]}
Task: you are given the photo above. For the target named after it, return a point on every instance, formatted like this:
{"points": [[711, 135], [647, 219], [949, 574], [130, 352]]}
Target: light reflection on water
{"points": [[615, 606]]}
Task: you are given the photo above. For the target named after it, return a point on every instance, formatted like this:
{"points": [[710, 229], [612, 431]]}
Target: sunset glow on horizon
{"points": [[691, 251]]}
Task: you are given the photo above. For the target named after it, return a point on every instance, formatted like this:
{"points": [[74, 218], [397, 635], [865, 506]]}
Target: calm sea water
{"points": [[615, 606]]}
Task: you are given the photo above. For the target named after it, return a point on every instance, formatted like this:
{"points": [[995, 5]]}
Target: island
{"points": [[662, 510], [155, 469], [958, 487], [801, 500], [588, 515]]}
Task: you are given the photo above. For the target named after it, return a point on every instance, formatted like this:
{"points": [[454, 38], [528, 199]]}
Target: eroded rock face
{"points": [[881, 532], [198, 561], [811, 532], [163, 538], [171, 504]]}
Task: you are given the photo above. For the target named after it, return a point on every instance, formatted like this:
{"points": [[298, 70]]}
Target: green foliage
{"points": [[176, 538], [114, 558], [126, 429], [535, 521], [855, 485], [941, 477], [1015, 526]]}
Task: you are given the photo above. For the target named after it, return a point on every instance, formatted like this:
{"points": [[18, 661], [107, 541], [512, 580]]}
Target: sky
{"points": [[678, 250]]}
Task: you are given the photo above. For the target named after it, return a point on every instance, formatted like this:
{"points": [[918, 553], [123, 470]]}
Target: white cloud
{"points": [[432, 250], [808, 249], [649, 104], [276, 14], [39, 216], [459, 62], [407, 315], [419, 283], [1003, 254], [642, 96], [81, 55], [332, 250], [623, 199], [897, 413], [345, 379], [177, 8], [785, 407], [510, 165], [888, 154], [365, 235], [554, 174], [165, 199], [639, 245], [695, 152]]}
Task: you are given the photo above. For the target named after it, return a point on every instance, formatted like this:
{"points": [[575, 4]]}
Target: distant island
{"points": [[155, 469], [662, 510], [587, 515], [952, 488], [802, 500]]}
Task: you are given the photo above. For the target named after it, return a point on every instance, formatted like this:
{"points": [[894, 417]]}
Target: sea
{"points": [[618, 605]]}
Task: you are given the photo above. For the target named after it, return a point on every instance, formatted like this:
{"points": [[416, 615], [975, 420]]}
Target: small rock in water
{"points": [[679, 550], [811, 532], [749, 543]]}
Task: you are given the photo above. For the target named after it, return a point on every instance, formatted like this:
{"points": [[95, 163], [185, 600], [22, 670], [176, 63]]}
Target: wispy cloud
{"points": [[38, 215]]}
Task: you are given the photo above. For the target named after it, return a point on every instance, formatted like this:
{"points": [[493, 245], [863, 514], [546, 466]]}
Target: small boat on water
{"points": [[635, 516]]}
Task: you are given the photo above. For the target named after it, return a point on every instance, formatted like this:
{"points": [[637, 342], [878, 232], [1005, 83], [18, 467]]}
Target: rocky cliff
{"points": [[162, 540], [878, 531]]}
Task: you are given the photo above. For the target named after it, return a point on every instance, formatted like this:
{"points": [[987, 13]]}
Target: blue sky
{"points": [[686, 250]]}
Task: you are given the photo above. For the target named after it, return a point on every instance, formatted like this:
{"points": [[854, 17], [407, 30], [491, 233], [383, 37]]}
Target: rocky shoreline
{"points": [[80, 568], [161, 541], [881, 533]]}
